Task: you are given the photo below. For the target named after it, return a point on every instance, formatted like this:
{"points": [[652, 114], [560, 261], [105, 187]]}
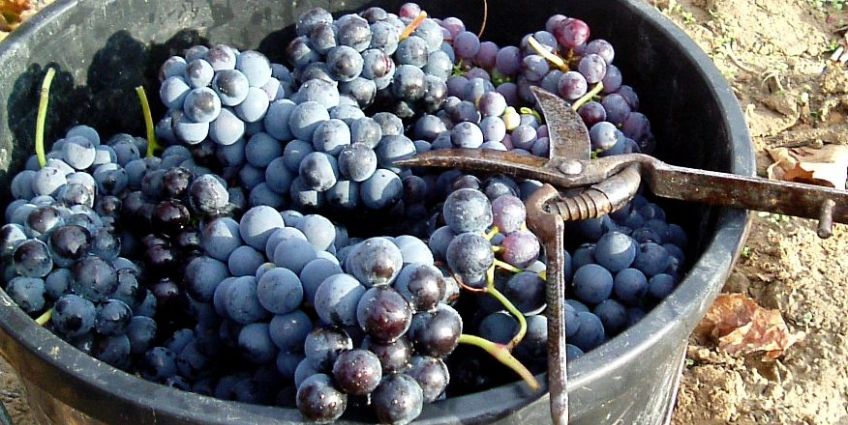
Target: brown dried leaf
{"points": [[11, 11], [740, 326], [825, 166]]}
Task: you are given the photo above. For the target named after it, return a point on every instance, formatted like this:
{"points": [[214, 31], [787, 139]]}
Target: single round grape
{"points": [[255, 66], [254, 106], [241, 301], [323, 346], [220, 237], [383, 313], [353, 31], [526, 290], [202, 105], [32, 259], [231, 86], [319, 171], [27, 293], [357, 372], [294, 254], [344, 63], [337, 298], [590, 334], [467, 210], [615, 251], [422, 285], [288, 331], [652, 259], [357, 162], [398, 399], [244, 261], [508, 213], [73, 316], [381, 190], [469, 255], [592, 283], [319, 401], [255, 344], [305, 117], [257, 224], [141, 332], [375, 261], [208, 195], [436, 333], [499, 327], [69, 243], [408, 83], [113, 318]]}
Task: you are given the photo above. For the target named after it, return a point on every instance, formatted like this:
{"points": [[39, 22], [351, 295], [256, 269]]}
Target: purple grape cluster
{"points": [[274, 254]]}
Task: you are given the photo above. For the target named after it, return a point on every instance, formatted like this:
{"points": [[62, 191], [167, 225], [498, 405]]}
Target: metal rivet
{"points": [[572, 167], [825, 229]]}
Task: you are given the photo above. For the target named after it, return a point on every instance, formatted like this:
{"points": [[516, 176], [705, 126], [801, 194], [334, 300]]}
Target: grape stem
{"points": [[413, 25], [152, 145], [588, 96], [42, 116], [44, 318], [522, 322], [501, 354], [485, 18], [530, 111], [506, 266], [552, 58], [492, 233]]}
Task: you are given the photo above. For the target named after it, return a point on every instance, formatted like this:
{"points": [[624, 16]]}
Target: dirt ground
{"points": [[775, 54]]}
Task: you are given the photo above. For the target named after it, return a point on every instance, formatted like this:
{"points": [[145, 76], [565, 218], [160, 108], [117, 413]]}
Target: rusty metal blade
{"points": [[753, 193], [567, 134], [484, 160]]}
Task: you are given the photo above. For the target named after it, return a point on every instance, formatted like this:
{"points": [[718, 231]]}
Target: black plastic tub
{"points": [[105, 48]]}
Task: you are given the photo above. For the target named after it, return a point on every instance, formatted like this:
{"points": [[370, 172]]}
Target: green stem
{"points": [[44, 318], [522, 322], [502, 354], [506, 266], [152, 145], [551, 57], [42, 116], [588, 96]]}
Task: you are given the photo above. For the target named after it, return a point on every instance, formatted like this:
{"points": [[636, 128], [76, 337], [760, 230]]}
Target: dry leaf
{"points": [[740, 326], [825, 166], [10, 13]]}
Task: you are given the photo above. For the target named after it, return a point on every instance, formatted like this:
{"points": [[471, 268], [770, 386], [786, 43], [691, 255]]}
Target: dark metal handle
{"points": [[599, 199]]}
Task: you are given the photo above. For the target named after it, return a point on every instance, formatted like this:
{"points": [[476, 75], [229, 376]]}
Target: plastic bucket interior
{"points": [[105, 48]]}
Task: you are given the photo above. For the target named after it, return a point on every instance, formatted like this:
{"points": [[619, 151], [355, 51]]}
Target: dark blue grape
{"points": [[613, 315], [499, 327], [526, 290], [398, 399], [661, 285], [323, 345], [592, 283], [27, 293], [336, 299], [288, 331], [73, 316], [469, 255], [113, 318], [591, 332], [141, 332], [357, 372], [651, 259], [615, 251], [255, 344], [630, 286], [319, 401]]}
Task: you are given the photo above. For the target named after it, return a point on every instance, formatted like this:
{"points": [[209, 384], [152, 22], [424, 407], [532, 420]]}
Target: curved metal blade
{"points": [[567, 134]]}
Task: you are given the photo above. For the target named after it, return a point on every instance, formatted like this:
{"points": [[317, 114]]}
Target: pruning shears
{"points": [[577, 187]]}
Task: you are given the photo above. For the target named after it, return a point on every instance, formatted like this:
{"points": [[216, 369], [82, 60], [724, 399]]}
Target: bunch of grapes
{"points": [[273, 253]]}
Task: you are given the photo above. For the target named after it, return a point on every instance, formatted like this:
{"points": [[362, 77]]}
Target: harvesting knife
{"points": [[592, 188]]}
